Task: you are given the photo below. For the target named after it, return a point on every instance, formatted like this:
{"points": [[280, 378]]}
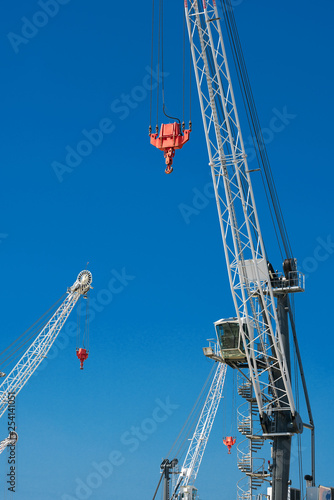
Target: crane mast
{"points": [[38, 350], [260, 300]]}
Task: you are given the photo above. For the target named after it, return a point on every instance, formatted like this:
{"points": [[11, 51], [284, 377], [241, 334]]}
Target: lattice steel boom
{"points": [[245, 255], [38, 350], [10, 441], [257, 339], [202, 432]]}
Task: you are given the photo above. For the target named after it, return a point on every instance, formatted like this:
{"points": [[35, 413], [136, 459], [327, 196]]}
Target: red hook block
{"points": [[82, 354], [229, 441], [168, 140]]}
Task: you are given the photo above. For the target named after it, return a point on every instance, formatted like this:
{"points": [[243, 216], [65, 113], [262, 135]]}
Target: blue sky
{"points": [[115, 208]]}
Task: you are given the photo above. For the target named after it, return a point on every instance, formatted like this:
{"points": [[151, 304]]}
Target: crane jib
{"points": [[38, 350]]}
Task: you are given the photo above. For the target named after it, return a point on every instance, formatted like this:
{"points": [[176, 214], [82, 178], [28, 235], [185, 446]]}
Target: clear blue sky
{"points": [[117, 209]]}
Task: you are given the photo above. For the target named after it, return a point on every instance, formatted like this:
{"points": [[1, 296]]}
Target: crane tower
{"points": [[256, 340]]}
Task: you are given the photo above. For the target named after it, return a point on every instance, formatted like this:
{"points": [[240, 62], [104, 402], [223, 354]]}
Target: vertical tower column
{"points": [[282, 444], [166, 466]]}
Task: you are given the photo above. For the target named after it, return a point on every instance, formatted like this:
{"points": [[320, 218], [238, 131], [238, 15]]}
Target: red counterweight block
{"points": [[168, 140], [82, 355], [229, 441]]}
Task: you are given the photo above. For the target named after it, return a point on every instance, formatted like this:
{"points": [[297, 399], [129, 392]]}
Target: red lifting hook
{"points": [[169, 139], [82, 355], [229, 441]]}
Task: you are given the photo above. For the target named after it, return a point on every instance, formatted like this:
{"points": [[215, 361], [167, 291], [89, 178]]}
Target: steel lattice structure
{"points": [[201, 435], [202, 432], [10, 441], [245, 255], [38, 350]]}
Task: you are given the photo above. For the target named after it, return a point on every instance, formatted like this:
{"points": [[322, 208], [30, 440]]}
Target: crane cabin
{"points": [[188, 492], [230, 340]]}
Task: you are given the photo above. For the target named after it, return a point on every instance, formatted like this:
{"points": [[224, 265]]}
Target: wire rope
{"points": [[249, 119], [86, 332], [13, 350], [253, 120], [78, 328], [184, 69], [157, 489], [162, 66], [152, 53], [158, 79], [183, 447], [191, 414], [190, 65]]}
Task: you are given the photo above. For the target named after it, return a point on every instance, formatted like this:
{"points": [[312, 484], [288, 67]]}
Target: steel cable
{"points": [[253, 120], [17, 345]]}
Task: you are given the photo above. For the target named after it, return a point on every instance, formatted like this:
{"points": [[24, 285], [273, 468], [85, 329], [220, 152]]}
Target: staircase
{"points": [[249, 426]]}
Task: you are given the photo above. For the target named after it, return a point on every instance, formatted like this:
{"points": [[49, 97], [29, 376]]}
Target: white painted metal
{"points": [[10, 441], [248, 459], [201, 435], [252, 292], [38, 350]]}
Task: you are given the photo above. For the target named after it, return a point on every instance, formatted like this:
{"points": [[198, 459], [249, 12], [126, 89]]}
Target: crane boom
{"points": [[202, 432], [257, 339], [38, 350], [11, 440], [245, 255]]}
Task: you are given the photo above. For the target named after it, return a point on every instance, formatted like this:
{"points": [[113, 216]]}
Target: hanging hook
{"points": [[229, 441]]}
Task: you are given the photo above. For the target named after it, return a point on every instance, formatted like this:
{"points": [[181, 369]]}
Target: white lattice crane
{"points": [[193, 459], [256, 340], [185, 478], [38, 350]]}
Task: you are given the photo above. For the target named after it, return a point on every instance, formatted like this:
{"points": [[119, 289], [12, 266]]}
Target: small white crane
{"points": [[38, 350]]}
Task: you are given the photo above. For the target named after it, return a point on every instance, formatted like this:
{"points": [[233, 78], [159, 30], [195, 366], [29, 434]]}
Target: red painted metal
{"points": [[82, 354], [229, 441], [168, 140]]}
